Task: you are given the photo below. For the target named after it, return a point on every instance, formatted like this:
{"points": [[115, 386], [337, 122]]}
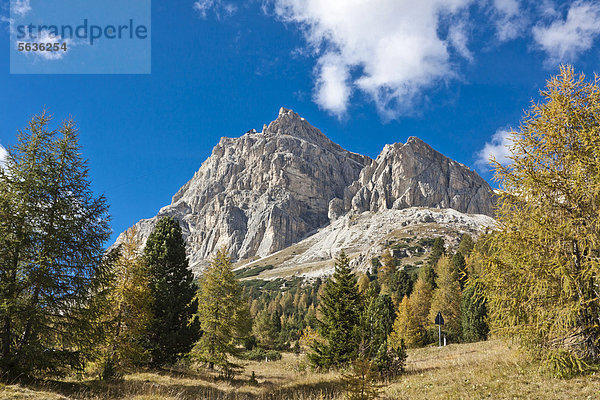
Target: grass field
{"points": [[486, 370]]}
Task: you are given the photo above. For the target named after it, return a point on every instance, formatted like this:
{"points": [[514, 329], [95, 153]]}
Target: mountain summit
{"points": [[414, 174], [265, 191], [261, 192]]}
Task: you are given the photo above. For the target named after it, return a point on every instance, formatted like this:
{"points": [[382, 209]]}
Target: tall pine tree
{"points": [[174, 329], [126, 312], [542, 280], [339, 324], [223, 312], [473, 313], [466, 245], [446, 299], [52, 232]]}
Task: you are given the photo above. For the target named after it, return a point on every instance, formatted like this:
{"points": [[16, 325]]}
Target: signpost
{"points": [[439, 321]]}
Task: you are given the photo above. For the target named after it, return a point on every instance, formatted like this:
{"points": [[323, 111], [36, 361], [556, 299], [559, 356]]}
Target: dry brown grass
{"points": [[487, 370]]}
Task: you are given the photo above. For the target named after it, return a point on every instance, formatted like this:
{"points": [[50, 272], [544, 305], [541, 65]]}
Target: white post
{"points": [[440, 335]]}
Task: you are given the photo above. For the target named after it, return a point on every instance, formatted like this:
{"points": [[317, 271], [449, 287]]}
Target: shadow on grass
{"points": [[199, 388]]}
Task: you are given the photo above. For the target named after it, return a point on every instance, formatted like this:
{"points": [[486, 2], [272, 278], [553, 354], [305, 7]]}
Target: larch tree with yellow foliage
{"points": [[223, 313], [127, 311], [411, 324], [407, 329], [542, 280], [446, 298]]}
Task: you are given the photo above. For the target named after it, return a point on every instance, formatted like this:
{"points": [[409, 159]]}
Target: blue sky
{"points": [[456, 73]]}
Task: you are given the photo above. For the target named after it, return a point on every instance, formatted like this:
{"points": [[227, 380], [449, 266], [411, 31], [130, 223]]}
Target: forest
{"points": [[82, 320]]}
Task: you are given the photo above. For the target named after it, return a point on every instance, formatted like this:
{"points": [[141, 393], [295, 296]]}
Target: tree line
{"points": [[67, 303]]}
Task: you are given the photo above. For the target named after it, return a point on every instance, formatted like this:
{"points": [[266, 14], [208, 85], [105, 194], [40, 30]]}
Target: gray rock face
{"points": [[415, 175], [265, 191], [261, 192]]}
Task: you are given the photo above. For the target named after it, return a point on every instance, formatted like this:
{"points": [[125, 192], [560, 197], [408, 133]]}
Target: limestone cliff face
{"points": [[415, 175], [261, 192], [264, 191]]}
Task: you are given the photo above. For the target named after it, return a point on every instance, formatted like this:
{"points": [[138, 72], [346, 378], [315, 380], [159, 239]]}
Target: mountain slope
{"points": [[366, 235], [261, 192], [265, 191], [413, 174]]}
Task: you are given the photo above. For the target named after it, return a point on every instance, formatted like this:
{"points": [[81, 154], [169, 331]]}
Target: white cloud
{"points": [[219, 7], [332, 89], [395, 51], [20, 8], [498, 148], [390, 51], [510, 20], [566, 39], [458, 37], [3, 155]]}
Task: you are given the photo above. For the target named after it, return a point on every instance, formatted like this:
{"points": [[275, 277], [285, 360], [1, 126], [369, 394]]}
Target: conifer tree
{"points": [[437, 250], [446, 299], [263, 329], [223, 312], [473, 313], [386, 271], [407, 329], [377, 320], [52, 232], [420, 302], [127, 310], [174, 329], [339, 324], [361, 382], [460, 269], [427, 274], [401, 286], [465, 247], [542, 280]]}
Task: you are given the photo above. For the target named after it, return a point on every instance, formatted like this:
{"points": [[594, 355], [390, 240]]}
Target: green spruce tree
{"points": [[377, 321], [460, 269], [466, 245], [339, 324], [437, 250], [473, 313], [401, 286], [173, 329]]}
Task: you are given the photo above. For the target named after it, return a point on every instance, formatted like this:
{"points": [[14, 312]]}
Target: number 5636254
{"points": [[26, 46]]}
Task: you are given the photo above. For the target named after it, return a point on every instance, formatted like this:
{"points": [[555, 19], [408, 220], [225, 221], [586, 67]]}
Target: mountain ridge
{"points": [[262, 192]]}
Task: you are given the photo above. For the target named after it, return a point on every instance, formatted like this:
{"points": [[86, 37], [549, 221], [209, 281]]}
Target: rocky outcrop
{"points": [[415, 175], [265, 191], [261, 192], [364, 236]]}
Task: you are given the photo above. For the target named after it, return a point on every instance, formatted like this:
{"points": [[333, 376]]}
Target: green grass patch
{"points": [[249, 272]]}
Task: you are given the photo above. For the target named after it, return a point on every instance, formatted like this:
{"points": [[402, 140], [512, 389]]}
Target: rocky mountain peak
{"points": [[413, 174], [264, 191], [291, 124], [261, 192]]}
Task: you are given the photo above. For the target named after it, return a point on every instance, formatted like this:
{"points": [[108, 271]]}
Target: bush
{"points": [[259, 354], [250, 342]]}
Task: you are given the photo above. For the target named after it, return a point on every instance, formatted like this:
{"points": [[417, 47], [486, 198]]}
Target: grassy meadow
{"points": [[484, 370]]}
